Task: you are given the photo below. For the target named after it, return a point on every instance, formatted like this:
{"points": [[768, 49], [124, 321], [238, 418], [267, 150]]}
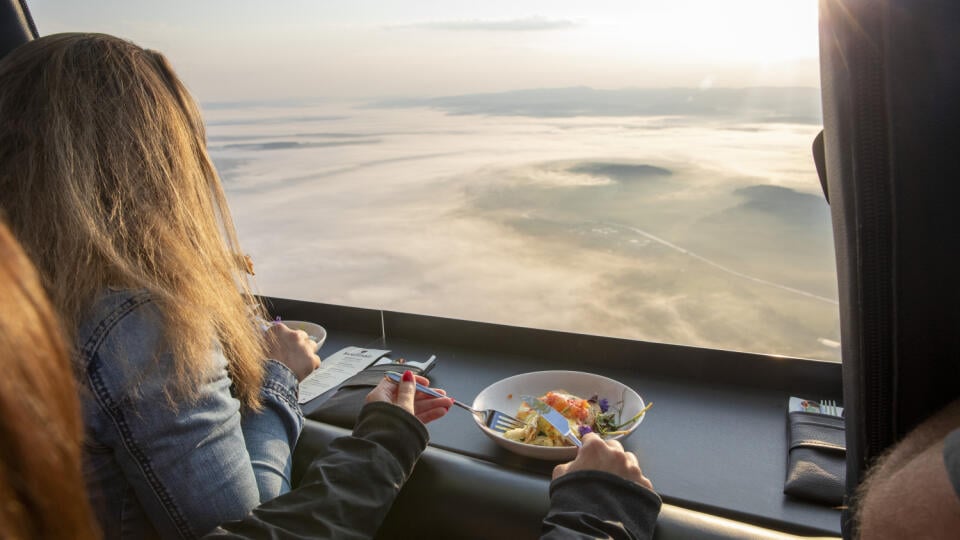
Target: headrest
{"points": [[16, 25]]}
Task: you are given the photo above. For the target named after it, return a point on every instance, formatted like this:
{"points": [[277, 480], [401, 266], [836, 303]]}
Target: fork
{"points": [[492, 418], [830, 407]]}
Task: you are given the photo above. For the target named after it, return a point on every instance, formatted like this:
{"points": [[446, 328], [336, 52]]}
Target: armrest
{"points": [[480, 500]]}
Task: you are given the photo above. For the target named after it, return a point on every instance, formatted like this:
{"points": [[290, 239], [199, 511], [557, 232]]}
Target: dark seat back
{"points": [[16, 25], [890, 77], [482, 500]]}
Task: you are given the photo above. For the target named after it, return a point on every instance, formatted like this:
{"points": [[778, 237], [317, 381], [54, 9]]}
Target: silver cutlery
{"points": [[829, 407], [493, 419], [557, 420]]}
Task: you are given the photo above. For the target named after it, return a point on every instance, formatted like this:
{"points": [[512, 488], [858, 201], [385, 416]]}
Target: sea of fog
{"points": [[692, 229]]}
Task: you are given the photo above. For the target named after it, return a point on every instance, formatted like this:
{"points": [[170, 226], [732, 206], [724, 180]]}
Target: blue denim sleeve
{"points": [[187, 465], [272, 433]]}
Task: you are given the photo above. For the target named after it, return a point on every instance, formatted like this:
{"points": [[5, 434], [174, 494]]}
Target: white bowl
{"points": [[505, 396], [314, 330]]}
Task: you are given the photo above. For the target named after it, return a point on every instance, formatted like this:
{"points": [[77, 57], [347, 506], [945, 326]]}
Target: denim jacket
{"points": [[154, 470]]}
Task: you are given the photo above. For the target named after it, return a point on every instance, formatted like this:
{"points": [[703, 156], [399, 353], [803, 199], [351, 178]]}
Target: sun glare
{"points": [[745, 31], [770, 30]]}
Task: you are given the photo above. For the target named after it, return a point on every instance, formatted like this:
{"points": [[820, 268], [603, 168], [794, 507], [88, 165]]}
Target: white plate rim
{"points": [[544, 452], [320, 334]]}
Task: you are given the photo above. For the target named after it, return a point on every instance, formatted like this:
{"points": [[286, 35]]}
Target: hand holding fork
{"points": [[493, 419]]}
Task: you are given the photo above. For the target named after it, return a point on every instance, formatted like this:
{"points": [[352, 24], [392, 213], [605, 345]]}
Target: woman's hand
{"points": [[404, 395], [609, 456], [292, 348]]}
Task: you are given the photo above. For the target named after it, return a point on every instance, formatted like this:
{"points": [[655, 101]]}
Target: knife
{"points": [[557, 420]]}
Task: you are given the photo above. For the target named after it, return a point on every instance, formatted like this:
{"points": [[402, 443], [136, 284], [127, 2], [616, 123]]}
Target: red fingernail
{"points": [[408, 376]]}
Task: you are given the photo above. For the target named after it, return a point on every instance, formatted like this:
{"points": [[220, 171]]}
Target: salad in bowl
{"points": [[589, 402]]}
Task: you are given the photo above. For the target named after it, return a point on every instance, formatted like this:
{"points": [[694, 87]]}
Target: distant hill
{"points": [[775, 233], [621, 172], [797, 209], [761, 104]]}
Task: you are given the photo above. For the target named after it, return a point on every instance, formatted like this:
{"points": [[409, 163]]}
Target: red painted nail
{"points": [[408, 376]]}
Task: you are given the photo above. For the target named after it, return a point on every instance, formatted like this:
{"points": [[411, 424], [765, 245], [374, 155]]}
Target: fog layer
{"points": [[700, 228]]}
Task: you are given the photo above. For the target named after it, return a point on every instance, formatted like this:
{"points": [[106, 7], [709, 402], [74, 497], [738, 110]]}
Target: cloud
{"points": [[291, 145], [787, 234], [284, 120], [273, 103], [755, 104], [534, 23], [601, 229], [227, 165], [633, 214], [318, 135], [259, 185]]}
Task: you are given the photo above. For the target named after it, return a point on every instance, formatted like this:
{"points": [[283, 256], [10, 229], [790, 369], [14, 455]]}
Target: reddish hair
{"points": [[42, 492]]}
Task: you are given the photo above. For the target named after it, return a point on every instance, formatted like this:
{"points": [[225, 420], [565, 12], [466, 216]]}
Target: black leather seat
{"points": [[480, 500]]}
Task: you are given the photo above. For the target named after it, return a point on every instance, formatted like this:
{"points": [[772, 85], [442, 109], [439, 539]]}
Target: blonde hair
{"points": [[106, 181], [42, 494]]}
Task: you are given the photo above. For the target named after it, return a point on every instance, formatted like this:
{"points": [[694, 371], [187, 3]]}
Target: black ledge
{"points": [[714, 442]]}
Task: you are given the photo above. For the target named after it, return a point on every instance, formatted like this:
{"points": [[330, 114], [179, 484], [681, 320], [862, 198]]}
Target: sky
{"points": [[631, 165], [243, 50]]}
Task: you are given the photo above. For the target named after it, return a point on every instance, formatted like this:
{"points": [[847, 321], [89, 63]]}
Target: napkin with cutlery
{"points": [[341, 405], [816, 468]]}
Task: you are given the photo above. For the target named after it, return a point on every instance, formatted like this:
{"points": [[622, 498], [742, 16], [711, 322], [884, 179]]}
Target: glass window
{"points": [[629, 169]]}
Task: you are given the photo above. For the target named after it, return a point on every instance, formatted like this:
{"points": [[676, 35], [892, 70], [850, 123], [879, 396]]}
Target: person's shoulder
{"points": [[113, 299], [953, 439], [119, 317], [951, 458]]}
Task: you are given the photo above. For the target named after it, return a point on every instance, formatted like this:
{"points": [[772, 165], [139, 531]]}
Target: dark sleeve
{"points": [[595, 504], [951, 458], [346, 492]]}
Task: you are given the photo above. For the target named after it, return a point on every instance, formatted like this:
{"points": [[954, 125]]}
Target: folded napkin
{"points": [[343, 407], [816, 469]]}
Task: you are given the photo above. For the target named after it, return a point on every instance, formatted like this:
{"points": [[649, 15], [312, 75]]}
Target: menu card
{"points": [[337, 368]]}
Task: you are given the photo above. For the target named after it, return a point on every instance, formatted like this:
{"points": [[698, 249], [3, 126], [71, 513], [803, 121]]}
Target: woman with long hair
{"points": [[105, 179], [345, 492], [190, 409]]}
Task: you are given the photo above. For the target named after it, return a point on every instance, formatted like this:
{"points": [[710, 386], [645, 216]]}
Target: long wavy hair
{"points": [[106, 181], [42, 493]]}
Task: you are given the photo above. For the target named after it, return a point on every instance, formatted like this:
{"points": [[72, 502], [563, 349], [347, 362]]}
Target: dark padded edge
{"points": [[454, 496], [890, 74], [343, 318], [794, 375], [692, 364], [16, 25]]}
